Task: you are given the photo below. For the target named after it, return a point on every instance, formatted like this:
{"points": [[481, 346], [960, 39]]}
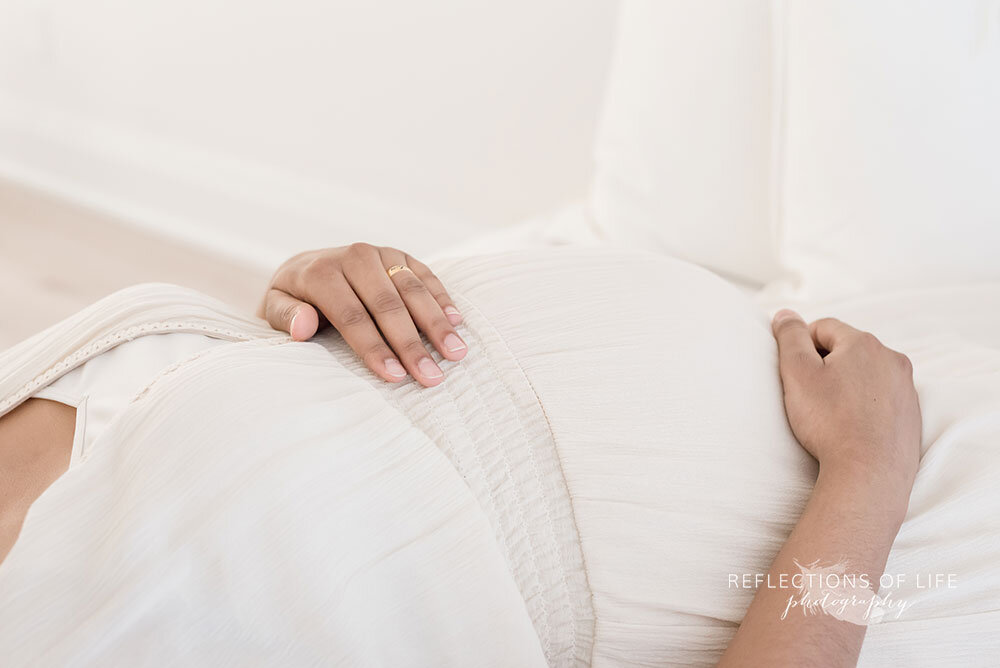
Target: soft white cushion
{"points": [[853, 143], [892, 175], [684, 150]]}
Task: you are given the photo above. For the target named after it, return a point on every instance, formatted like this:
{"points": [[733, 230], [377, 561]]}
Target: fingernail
{"points": [[429, 369], [454, 317], [291, 326], [786, 314], [453, 344], [394, 368]]}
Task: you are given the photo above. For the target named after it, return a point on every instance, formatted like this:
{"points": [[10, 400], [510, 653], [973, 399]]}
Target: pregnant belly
{"points": [[659, 383]]}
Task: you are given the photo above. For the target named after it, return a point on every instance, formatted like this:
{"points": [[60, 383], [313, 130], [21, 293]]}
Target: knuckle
{"points": [[321, 267], [789, 325], [869, 340], [410, 286], [285, 276], [437, 329], [376, 353], [360, 248], [904, 363], [287, 312], [439, 324], [352, 316], [293, 265], [299, 258], [386, 302], [414, 347]]}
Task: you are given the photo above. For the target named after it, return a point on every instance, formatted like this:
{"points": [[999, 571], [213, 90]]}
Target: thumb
{"points": [[796, 351], [288, 314]]}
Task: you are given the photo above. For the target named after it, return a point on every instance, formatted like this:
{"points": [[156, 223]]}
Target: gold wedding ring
{"points": [[397, 268]]}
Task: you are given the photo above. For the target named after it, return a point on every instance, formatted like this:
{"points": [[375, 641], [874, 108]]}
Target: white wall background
{"points": [[263, 127]]}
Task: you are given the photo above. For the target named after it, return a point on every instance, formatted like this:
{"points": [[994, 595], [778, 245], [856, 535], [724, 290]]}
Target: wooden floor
{"points": [[56, 258]]}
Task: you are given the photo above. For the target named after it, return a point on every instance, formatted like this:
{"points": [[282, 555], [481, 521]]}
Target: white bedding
{"points": [[577, 492]]}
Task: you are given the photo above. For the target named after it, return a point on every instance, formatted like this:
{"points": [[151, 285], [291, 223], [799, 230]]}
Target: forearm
{"points": [[36, 440], [851, 518]]}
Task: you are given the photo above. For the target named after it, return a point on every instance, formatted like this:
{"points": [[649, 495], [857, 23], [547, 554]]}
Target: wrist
{"points": [[880, 496], [870, 471]]}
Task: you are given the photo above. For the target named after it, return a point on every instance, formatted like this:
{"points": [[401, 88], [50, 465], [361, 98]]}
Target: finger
{"points": [[425, 309], [288, 314], [829, 333], [368, 278], [797, 354], [341, 306], [436, 288]]}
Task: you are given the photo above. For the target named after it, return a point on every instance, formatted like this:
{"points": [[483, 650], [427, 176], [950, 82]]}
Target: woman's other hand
{"points": [[379, 316], [855, 408]]}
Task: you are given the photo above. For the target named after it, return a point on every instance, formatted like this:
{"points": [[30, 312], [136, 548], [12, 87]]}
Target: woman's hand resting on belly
{"points": [[855, 410], [378, 298]]}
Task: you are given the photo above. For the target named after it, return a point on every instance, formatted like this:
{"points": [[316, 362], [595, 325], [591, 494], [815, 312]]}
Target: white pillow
{"points": [[892, 173], [684, 149]]}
